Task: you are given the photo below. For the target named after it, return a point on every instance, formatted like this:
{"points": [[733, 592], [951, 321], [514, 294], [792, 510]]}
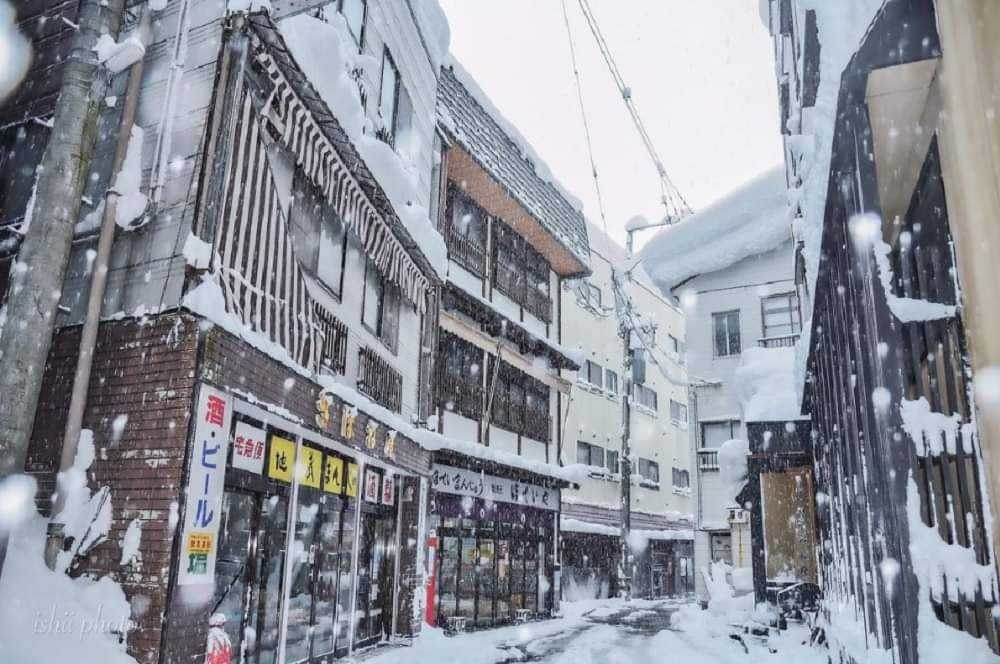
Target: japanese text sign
{"points": [[311, 467], [206, 481], [371, 486], [281, 460], [248, 448], [447, 479], [333, 474], [388, 490]]}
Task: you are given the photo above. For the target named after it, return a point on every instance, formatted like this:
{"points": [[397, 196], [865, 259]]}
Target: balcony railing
{"points": [[783, 341], [466, 253], [379, 381], [333, 348], [509, 281], [708, 459]]}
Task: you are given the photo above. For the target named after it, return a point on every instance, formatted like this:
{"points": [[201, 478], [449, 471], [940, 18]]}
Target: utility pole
{"points": [[625, 331], [44, 253]]}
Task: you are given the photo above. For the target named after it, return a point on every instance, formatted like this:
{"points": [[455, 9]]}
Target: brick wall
{"points": [[143, 370]]}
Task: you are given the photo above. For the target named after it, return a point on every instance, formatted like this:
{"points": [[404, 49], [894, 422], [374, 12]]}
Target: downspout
{"points": [[98, 284]]}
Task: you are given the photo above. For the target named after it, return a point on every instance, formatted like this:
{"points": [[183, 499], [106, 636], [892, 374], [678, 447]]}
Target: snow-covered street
{"points": [[609, 630]]}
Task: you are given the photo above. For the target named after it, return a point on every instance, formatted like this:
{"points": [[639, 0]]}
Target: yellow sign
{"points": [[199, 542], [333, 475], [352, 480], [312, 467], [281, 459]]}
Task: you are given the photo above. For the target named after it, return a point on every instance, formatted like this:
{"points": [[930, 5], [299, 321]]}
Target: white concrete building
{"points": [[660, 490], [730, 266]]}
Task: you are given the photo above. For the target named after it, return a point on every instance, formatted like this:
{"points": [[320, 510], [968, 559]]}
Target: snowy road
{"points": [[607, 631]]}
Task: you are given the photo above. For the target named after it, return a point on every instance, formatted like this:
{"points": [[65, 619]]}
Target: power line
{"points": [[673, 201], [583, 114]]}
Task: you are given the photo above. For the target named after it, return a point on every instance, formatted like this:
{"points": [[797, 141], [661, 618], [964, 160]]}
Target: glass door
{"points": [[376, 575], [503, 576], [300, 592], [232, 568], [485, 575], [326, 580], [263, 623], [447, 576]]}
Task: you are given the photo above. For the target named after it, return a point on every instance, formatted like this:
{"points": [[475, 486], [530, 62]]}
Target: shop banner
{"points": [[389, 490], [248, 448], [333, 474], [447, 479], [371, 486], [203, 494]]}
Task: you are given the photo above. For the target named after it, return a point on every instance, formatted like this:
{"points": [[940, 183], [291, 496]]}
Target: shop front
{"points": [[496, 548], [305, 565]]}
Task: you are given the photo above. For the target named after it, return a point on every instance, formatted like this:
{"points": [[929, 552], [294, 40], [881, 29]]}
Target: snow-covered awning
{"points": [[305, 125], [569, 525]]}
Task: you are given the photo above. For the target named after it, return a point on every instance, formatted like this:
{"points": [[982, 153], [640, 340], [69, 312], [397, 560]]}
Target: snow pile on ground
{"points": [[751, 220], [765, 384], [321, 49], [45, 615], [733, 455]]}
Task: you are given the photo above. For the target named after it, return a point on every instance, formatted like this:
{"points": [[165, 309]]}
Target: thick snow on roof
{"points": [[320, 50], [751, 220], [465, 112], [765, 385], [434, 29]]}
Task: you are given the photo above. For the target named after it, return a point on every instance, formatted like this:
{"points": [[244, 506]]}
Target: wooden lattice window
{"points": [[379, 380]]}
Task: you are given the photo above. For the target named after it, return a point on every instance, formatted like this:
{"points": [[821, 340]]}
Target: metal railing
{"points": [[378, 380], [708, 459], [539, 304], [465, 394], [783, 341]]}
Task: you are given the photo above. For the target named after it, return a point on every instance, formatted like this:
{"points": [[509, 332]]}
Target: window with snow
{"points": [[714, 434], [726, 332], [318, 234], [589, 455], [645, 396], [354, 12], [681, 478], [780, 315], [466, 232], [380, 307], [594, 374], [649, 474], [388, 99], [610, 381], [678, 413], [611, 462]]}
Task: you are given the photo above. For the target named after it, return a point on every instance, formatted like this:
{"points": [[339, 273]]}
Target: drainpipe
{"points": [[98, 283]]}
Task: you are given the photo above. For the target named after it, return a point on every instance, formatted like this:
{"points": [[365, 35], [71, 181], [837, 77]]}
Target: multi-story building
{"points": [[512, 237], [890, 157], [661, 499], [730, 268], [260, 371]]}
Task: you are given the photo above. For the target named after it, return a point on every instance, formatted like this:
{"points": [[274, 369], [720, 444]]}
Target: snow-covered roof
{"points": [[468, 116], [751, 220], [312, 54]]}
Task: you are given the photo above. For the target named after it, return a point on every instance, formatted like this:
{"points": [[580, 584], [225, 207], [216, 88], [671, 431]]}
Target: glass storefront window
{"points": [[328, 564], [346, 575], [300, 598], [235, 537], [486, 580], [467, 578], [448, 571], [270, 564]]}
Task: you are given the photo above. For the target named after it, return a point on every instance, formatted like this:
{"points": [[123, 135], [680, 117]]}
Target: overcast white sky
{"points": [[701, 73]]}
